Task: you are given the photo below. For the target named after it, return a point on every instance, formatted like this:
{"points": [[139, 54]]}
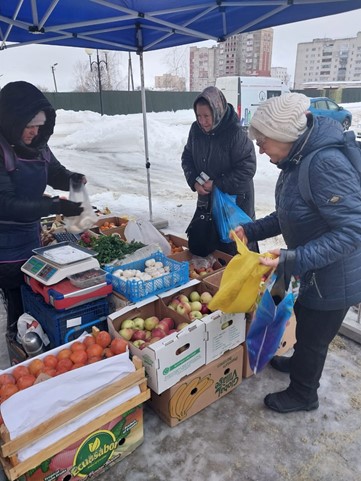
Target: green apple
{"points": [[194, 296]]}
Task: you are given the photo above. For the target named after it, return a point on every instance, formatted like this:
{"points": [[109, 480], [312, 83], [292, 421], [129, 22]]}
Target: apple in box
{"points": [[151, 322]]}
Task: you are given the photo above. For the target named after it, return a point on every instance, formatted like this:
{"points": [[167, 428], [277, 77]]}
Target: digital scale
{"points": [[52, 264]]}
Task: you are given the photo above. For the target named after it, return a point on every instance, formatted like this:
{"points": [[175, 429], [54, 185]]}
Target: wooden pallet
{"points": [[14, 468]]}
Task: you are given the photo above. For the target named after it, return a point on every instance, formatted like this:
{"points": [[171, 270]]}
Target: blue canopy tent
{"points": [[144, 25]]}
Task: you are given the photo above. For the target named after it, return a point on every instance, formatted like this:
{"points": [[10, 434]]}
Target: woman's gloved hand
{"points": [[78, 179], [66, 207]]}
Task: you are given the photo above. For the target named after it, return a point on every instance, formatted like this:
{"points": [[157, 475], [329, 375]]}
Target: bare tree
{"points": [[177, 60], [109, 69]]}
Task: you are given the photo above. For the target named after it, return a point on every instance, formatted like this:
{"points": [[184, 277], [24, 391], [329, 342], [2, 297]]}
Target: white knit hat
{"points": [[39, 119], [281, 118]]}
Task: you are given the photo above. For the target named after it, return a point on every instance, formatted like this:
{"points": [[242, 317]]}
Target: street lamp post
{"points": [[53, 71], [98, 64]]}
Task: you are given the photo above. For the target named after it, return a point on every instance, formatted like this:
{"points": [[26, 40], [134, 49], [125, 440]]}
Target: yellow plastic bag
{"points": [[241, 281]]}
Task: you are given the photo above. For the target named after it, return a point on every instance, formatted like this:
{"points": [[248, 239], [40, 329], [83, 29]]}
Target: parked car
{"points": [[327, 107]]}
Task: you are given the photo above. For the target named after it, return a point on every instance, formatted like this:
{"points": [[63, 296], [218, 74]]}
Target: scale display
{"points": [[37, 267], [54, 263]]}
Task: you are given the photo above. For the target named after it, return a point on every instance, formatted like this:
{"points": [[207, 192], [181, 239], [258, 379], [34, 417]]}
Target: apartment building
{"points": [[170, 82], [281, 73], [243, 54], [328, 60]]}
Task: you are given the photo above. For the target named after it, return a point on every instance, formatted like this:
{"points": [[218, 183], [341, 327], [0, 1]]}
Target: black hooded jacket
{"points": [[19, 103], [225, 154]]}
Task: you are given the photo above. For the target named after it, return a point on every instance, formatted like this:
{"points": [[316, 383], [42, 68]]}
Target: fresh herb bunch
{"points": [[110, 247]]}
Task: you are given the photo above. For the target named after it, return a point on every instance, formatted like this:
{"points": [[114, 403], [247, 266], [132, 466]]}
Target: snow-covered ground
{"points": [[110, 151]]}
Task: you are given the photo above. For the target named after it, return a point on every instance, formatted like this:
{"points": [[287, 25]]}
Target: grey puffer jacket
{"points": [[324, 241]]}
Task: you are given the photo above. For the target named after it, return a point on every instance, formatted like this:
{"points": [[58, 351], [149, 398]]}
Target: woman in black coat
{"points": [[27, 166], [218, 147]]}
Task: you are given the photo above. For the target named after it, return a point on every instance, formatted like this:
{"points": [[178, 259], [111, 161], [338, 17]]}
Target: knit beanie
{"points": [[281, 118], [39, 119]]}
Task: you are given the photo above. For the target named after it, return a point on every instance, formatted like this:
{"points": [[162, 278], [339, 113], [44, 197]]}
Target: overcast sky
{"points": [[33, 63]]}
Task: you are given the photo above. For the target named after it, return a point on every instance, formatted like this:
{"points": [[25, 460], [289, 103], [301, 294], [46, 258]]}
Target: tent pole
{"points": [[144, 111]]}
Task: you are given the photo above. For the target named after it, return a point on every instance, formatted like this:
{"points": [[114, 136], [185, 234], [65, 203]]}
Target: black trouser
{"points": [[314, 332], [11, 278]]}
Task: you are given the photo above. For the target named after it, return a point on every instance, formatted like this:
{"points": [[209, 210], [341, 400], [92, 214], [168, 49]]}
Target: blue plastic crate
{"points": [[57, 324], [135, 291]]}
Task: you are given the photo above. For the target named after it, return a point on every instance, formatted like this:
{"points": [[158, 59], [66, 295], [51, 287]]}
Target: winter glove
{"points": [[78, 180], [66, 207]]}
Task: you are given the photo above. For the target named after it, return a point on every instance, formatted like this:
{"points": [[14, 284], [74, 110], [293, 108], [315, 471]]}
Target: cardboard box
{"points": [[117, 301], [213, 281], [64, 444], [223, 331], [200, 389], [178, 244], [218, 261], [289, 337], [247, 371], [171, 358], [15, 350], [119, 222]]}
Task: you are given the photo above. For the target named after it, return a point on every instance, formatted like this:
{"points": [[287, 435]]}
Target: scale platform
{"points": [[52, 264]]}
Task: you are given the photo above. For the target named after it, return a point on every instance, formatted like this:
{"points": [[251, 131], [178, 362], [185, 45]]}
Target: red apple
{"points": [[205, 309], [138, 335], [158, 332], [163, 325], [169, 322]]}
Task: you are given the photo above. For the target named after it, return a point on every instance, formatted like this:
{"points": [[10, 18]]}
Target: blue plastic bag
{"points": [[268, 327], [227, 214]]}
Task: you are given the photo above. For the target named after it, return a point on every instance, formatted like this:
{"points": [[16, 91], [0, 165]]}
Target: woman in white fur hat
{"points": [[323, 238]]}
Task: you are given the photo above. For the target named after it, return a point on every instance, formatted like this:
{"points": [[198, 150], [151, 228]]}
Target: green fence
{"points": [[122, 102]]}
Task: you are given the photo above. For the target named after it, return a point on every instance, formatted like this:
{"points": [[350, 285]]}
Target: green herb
{"points": [[109, 247]]}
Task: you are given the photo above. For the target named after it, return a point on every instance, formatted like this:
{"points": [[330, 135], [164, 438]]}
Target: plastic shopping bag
{"points": [[144, 231], [227, 214], [268, 326], [87, 218], [241, 281]]}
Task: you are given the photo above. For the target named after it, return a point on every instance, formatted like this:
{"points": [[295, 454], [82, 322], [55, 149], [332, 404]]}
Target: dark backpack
{"points": [[351, 149]]}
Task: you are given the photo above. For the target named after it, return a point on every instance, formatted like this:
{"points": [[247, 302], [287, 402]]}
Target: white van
{"points": [[247, 93]]}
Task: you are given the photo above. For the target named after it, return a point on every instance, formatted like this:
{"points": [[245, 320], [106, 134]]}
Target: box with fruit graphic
{"points": [[200, 389], [169, 345], [223, 331], [202, 267], [75, 432]]}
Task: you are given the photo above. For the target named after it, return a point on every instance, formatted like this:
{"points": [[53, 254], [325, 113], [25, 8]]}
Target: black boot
{"points": [[286, 402], [281, 363]]}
